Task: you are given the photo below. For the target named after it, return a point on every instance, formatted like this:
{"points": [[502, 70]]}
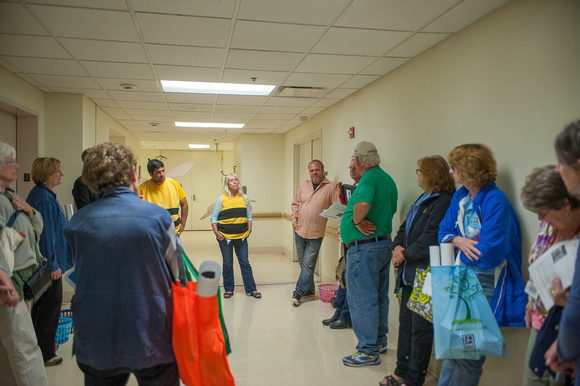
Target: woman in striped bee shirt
{"points": [[232, 224]]}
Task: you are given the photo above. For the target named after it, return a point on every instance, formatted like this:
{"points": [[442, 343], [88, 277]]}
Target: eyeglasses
{"points": [[10, 163], [417, 171]]}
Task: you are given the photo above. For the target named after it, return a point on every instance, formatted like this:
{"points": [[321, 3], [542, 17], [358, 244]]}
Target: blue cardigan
{"points": [[500, 241], [53, 246]]}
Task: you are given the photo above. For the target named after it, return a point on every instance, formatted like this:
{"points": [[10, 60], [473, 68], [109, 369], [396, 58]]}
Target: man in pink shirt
{"points": [[313, 196]]}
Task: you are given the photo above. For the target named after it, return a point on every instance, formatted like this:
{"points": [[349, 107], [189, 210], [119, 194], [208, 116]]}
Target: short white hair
{"points": [[368, 161], [6, 151]]}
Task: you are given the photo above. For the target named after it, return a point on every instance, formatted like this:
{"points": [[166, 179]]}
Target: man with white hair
{"points": [[366, 228]]}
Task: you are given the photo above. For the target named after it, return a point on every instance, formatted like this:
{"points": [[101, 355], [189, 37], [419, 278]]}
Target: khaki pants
{"points": [[20, 357]]}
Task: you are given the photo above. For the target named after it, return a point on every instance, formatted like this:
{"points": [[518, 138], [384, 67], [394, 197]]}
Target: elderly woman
{"points": [[20, 357], [545, 194], [410, 252], [565, 352], [482, 225], [47, 174], [122, 248], [232, 224]]}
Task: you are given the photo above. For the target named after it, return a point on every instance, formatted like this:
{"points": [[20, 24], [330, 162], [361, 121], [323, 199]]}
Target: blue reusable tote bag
{"points": [[464, 325]]}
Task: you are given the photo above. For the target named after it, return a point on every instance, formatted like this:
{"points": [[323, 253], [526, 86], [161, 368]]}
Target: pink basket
{"points": [[327, 291]]}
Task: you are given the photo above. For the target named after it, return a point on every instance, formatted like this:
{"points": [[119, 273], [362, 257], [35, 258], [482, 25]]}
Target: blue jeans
{"points": [[461, 372], [307, 251], [227, 247], [367, 276], [341, 304]]}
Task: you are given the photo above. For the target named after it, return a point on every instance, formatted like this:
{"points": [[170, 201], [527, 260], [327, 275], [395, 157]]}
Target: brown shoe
{"points": [[53, 362]]}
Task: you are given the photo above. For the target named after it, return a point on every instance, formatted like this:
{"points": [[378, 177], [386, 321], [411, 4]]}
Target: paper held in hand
{"points": [[334, 212], [557, 261]]}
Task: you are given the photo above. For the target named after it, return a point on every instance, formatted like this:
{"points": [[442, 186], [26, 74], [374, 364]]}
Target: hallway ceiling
{"points": [[93, 47]]}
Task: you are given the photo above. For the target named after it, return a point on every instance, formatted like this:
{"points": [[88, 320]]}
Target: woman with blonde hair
{"points": [[485, 231], [47, 174], [231, 222]]}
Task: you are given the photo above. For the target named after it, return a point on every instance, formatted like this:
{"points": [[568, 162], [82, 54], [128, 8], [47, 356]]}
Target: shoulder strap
{"points": [[14, 215]]}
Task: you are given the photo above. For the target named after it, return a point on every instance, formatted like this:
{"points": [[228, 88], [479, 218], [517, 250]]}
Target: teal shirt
{"points": [[378, 189]]}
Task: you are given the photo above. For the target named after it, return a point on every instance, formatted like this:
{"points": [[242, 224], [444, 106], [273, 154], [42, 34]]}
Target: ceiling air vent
{"points": [[300, 92]]}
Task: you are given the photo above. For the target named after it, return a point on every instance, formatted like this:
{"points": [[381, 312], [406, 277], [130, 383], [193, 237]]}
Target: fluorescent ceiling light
{"points": [[209, 125], [197, 146], [216, 88]]}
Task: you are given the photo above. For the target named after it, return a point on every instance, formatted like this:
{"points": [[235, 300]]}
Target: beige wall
{"points": [[510, 81]]}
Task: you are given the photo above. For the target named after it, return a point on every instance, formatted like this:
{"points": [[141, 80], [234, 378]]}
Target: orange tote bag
{"points": [[198, 339]]}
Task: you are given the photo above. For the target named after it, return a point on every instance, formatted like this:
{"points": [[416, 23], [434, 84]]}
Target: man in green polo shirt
{"points": [[366, 228]]}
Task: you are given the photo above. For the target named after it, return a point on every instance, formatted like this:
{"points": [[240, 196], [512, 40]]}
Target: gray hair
{"points": [[368, 161], [567, 144], [5, 151], [227, 188], [545, 190]]}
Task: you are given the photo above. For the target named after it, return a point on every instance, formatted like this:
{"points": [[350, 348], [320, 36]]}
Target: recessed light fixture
{"points": [[216, 88], [210, 125], [198, 146]]}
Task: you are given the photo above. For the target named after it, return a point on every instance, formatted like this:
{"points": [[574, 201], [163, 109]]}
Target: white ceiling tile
{"points": [[341, 93], [47, 66], [325, 102], [231, 118], [289, 101], [175, 97], [383, 65], [275, 37], [15, 19], [393, 14], [464, 14], [116, 113], [255, 130], [191, 116], [159, 118], [105, 102], [93, 93], [136, 96], [318, 12], [8, 66], [66, 81], [108, 51], [221, 8], [312, 111], [281, 109], [118, 70], [358, 81], [31, 46], [241, 100], [263, 60], [334, 64], [351, 41], [184, 30], [316, 80], [285, 117], [87, 23], [192, 74], [262, 77], [32, 81], [103, 4], [237, 109], [142, 105], [189, 107], [146, 112], [115, 84], [417, 44], [187, 56]]}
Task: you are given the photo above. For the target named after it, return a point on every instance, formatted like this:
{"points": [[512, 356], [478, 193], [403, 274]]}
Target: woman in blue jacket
{"points": [[47, 174], [483, 227]]}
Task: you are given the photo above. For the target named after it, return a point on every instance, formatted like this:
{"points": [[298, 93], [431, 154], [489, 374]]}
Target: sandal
{"points": [[228, 294], [390, 380], [255, 294]]}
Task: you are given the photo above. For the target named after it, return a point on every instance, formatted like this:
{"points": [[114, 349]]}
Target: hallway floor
{"points": [[273, 342]]}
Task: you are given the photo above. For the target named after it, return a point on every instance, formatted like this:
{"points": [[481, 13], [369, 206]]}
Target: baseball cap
{"points": [[365, 148]]}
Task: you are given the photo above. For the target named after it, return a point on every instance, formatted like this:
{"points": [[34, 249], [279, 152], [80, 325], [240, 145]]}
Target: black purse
{"points": [[37, 284], [41, 280]]}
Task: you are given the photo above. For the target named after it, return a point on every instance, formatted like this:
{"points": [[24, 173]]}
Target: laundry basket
{"points": [[63, 331], [327, 291], [68, 314]]}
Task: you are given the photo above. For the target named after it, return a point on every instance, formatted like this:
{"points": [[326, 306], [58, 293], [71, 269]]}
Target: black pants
{"points": [[415, 343], [45, 314], [165, 374]]}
